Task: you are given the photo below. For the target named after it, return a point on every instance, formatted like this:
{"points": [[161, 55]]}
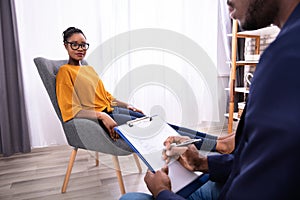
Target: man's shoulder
{"points": [[291, 30]]}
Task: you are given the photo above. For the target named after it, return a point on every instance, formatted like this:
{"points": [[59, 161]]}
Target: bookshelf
{"points": [[231, 115]]}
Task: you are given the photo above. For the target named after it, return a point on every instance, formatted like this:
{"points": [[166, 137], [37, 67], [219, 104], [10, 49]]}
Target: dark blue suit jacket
{"points": [[266, 164]]}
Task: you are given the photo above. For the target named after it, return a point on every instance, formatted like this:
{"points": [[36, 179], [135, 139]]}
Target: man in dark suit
{"points": [[265, 163]]}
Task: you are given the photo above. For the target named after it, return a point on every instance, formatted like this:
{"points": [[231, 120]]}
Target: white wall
{"points": [[41, 24]]}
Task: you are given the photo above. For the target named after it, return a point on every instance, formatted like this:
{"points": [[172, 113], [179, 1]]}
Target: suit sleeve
{"points": [[220, 166]]}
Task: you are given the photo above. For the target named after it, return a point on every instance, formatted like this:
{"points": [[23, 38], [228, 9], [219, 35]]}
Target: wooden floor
{"points": [[40, 174]]}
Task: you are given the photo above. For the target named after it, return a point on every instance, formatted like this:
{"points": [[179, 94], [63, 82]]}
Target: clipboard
{"points": [[146, 136]]}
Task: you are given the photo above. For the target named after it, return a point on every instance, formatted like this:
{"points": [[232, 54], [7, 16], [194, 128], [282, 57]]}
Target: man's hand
{"points": [[192, 160], [188, 156], [171, 152], [158, 181]]}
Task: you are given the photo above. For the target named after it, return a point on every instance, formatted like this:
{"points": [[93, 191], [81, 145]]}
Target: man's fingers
{"points": [[170, 140], [175, 151], [165, 169], [148, 175], [175, 139]]}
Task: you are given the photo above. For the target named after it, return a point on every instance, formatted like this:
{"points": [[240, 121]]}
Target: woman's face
{"points": [[76, 46]]}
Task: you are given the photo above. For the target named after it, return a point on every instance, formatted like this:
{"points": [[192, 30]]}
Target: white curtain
{"points": [[164, 56]]}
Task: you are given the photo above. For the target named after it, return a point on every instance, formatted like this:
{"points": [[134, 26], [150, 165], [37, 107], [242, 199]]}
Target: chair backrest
{"points": [[48, 70]]}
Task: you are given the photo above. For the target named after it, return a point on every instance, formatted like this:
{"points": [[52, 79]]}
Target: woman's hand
{"points": [[131, 107], [109, 123], [122, 104]]}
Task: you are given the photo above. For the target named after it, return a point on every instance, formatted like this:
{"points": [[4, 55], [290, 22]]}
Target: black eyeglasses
{"points": [[76, 46]]}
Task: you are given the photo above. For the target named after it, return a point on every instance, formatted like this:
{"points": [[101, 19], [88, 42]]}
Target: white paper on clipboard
{"points": [[146, 136]]}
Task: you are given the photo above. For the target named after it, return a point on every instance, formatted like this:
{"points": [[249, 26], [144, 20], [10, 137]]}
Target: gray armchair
{"points": [[82, 133]]}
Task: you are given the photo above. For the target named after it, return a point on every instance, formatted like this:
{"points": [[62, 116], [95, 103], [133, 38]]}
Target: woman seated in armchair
{"points": [[81, 94]]}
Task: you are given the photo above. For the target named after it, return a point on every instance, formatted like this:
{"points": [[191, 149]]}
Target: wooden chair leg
{"points": [[69, 169], [137, 162], [119, 174], [97, 158]]}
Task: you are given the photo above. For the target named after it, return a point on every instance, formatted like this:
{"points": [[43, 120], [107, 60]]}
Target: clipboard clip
{"points": [[131, 123]]}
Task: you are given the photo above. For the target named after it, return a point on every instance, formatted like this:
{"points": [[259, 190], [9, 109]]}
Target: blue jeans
{"points": [[123, 115], [209, 191], [136, 196]]}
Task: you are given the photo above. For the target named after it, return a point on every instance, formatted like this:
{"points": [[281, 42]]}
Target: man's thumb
{"points": [[165, 169]]}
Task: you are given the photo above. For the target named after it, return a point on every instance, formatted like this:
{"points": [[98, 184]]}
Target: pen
{"points": [[187, 142], [137, 120]]}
